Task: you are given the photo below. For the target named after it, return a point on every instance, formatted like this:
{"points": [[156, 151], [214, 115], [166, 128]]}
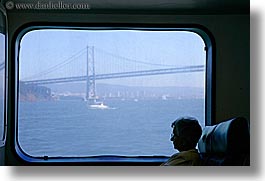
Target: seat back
{"points": [[227, 143]]}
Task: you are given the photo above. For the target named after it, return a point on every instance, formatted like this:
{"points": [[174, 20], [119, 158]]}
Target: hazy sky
{"points": [[42, 50]]}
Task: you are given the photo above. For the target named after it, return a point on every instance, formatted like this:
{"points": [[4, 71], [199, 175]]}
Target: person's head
{"points": [[186, 133]]}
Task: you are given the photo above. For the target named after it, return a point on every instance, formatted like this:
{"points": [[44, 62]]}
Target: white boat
{"points": [[99, 105]]}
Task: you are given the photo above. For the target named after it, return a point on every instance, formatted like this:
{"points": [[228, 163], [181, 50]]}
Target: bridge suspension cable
{"points": [[2, 66], [58, 66], [132, 60]]}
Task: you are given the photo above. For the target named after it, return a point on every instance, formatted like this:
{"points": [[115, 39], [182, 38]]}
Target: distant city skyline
{"points": [[116, 91]]}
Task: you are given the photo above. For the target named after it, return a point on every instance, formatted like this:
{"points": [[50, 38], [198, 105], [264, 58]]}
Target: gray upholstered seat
{"points": [[227, 143]]}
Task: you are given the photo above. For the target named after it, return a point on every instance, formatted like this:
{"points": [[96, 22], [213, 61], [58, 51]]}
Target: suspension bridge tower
{"points": [[90, 74]]}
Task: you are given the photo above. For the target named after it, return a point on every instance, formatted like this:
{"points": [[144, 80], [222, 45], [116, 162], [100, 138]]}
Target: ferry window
{"points": [[2, 84], [101, 92]]}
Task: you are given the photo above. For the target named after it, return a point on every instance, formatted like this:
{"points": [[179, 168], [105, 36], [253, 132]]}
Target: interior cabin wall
{"points": [[231, 92], [2, 156], [232, 67]]}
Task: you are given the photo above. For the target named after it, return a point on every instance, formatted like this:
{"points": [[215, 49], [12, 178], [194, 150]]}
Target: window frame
{"points": [[4, 30], [204, 33]]}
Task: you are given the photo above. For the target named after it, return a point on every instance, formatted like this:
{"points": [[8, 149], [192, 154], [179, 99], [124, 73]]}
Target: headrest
{"points": [[229, 137]]}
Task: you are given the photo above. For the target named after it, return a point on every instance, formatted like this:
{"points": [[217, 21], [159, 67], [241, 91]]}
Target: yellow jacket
{"points": [[184, 158]]}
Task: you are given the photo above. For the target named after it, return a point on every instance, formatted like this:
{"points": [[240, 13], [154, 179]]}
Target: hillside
{"points": [[33, 92]]}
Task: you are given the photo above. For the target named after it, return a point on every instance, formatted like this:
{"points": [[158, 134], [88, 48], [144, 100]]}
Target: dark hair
{"points": [[188, 129]]}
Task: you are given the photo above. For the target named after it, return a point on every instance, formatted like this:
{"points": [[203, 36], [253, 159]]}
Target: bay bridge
{"points": [[2, 66], [89, 70]]}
